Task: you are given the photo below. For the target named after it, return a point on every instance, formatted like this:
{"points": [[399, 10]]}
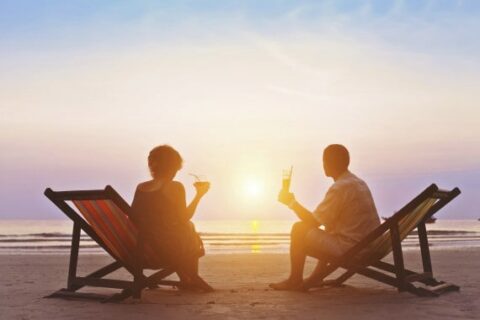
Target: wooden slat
{"points": [[444, 287], [100, 273], [419, 277], [107, 283], [80, 194], [373, 274], [63, 293]]}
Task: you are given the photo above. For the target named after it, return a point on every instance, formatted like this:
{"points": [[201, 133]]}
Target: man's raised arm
{"points": [[304, 214]]}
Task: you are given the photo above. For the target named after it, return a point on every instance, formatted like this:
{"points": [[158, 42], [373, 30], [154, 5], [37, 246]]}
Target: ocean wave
{"points": [[446, 232], [39, 240], [41, 235], [57, 247], [220, 234]]}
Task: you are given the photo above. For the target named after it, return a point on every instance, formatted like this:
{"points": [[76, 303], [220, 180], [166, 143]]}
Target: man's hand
{"points": [[286, 197]]}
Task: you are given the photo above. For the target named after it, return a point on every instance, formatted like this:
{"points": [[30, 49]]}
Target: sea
{"points": [[219, 236]]}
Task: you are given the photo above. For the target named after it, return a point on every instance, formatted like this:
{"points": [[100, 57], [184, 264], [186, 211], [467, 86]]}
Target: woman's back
{"points": [[152, 210], [160, 212]]}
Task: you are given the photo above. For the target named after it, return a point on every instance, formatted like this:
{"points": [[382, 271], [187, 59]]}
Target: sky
{"points": [[243, 89]]}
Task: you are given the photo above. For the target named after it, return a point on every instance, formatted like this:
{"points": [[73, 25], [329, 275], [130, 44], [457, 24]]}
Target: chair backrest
{"points": [[382, 246], [106, 215], [378, 243], [111, 224]]}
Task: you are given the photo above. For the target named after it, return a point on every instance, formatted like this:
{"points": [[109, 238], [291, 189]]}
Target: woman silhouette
{"points": [[160, 212]]}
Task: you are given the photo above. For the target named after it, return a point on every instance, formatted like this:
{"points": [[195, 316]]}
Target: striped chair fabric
{"points": [[115, 229], [382, 246]]}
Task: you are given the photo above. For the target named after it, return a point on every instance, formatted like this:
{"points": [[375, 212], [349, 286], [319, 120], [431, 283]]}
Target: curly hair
{"points": [[164, 160]]}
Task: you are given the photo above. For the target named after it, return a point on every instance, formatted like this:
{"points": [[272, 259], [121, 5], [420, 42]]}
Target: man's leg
{"points": [[316, 273], [298, 252], [297, 258], [321, 245]]}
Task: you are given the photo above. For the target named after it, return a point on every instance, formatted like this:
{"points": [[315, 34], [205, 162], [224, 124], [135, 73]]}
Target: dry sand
{"points": [[241, 283]]}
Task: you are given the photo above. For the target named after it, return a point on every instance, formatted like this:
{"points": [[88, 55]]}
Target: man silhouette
{"points": [[347, 213]]}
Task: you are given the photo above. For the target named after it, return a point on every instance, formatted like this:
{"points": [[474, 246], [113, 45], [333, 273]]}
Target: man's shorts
{"points": [[320, 242]]}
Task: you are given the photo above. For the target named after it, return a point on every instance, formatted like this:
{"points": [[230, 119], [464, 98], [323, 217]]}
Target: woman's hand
{"points": [[202, 188]]}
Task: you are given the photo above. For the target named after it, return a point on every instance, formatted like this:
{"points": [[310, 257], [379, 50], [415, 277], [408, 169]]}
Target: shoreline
{"points": [[241, 291], [219, 252], [219, 237]]}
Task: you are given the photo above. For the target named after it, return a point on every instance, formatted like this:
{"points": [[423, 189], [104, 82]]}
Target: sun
{"points": [[253, 188]]}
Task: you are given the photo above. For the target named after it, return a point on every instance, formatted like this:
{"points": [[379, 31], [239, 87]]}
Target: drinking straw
{"points": [[195, 176]]}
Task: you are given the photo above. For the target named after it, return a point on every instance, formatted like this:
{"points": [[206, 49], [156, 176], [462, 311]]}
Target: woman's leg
{"points": [[189, 264], [184, 275], [189, 272], [194, 265], [189, 269], [190, 277]]}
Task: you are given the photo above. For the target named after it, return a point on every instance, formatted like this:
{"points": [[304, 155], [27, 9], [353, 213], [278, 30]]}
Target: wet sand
{"points": [[242, 293]]}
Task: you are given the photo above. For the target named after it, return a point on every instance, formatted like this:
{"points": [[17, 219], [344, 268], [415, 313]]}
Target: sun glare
{"points": [[253, 188], [255, 224]]}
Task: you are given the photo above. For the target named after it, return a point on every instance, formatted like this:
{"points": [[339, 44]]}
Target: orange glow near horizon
{"points": [[255, 247]]}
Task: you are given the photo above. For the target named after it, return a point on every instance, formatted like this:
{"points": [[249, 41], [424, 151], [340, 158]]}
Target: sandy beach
{"points": [[242, 293]]}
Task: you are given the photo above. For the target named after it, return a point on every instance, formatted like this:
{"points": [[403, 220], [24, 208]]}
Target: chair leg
{"points": [[100, 273], [158, 276], [423, 239], [344, 277], [398, 258], [75, 246], [137, 287]]}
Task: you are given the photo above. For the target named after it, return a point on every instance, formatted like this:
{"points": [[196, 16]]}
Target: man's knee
{"points": [[299, 229]]}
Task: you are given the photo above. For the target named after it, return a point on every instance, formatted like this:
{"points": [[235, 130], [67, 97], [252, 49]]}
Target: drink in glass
{"points": [[200, 180], [286, 178]]}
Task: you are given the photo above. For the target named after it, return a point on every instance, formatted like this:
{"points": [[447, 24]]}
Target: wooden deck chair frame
{"points": [[354, 261], [96, 279]]}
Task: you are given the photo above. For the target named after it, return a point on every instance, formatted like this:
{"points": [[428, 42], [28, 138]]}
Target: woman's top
{"points": [[153, 212], [162, 227]]}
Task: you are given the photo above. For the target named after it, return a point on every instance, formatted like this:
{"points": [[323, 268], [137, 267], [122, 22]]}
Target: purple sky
{"points": [[243, 91]]}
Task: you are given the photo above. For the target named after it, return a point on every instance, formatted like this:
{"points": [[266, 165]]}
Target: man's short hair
{"points": [[337, 155]]}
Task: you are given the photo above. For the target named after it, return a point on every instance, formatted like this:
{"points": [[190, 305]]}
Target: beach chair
{"points": [[365, 258], [104, 216]]}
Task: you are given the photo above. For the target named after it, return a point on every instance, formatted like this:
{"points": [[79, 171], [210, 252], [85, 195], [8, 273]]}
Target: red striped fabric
{"points": [[115, 229], [112, 226]]}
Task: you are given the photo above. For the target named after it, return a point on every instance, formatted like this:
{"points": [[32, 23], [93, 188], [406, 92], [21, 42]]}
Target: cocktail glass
{"points": [[286, 179], [200, 180]]}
